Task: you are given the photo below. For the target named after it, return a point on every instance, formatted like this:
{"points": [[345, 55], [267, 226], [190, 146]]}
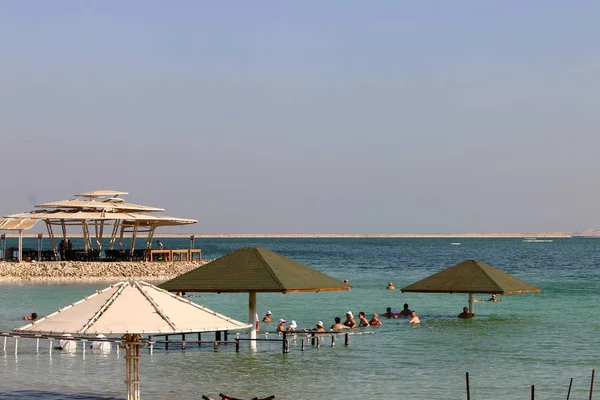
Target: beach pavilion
{"points": [[471, 276], [252, 270], [94, 212], [131, 309]]}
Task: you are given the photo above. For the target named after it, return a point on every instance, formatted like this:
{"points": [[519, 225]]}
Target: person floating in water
{"points": [[32, 318], [390, 286], [350, 322], [375, 320], [338, 325], [494, 298], [466, 314], [320, 327], [389, 314], [281, 325], [405, 311], [363, 321], [267, 317], [414, 318]]}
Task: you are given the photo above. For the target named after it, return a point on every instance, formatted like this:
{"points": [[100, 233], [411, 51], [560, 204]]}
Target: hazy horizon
{"points": [[343, 116]]}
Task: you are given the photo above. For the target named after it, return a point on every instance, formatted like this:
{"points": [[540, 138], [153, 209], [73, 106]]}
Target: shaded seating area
{"points": [[98, 214], [82, 255]]}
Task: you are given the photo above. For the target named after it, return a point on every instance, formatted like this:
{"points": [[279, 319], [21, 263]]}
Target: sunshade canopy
{"points": [[101, 193], [77, 215], [253, 269], [112, 204], [132, 308], [471, 276], [17, 223]]}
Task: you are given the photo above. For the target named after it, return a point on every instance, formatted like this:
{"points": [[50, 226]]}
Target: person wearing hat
{"points": [[281, 326], [350, 322], [292, 326], [320, 327], [267, 317]]}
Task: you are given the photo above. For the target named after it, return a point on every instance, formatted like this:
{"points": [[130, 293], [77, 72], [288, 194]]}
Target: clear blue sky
{"points": [[311, 117]]}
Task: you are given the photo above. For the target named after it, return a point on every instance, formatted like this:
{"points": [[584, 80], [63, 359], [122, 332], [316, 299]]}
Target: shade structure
{"points": [[99, 210], [132, 309], [471, 276], [253, 270]]}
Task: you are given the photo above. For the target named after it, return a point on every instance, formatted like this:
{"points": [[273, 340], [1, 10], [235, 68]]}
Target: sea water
{"points": [[526, 339]]}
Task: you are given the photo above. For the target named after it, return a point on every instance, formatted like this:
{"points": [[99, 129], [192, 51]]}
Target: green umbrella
{"points": [[471, 276], [252, 270]]}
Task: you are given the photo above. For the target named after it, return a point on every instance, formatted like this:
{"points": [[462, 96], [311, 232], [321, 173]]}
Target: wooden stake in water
{"points": [[532, 392], [569, 392], [468, 388], [592, 383]]}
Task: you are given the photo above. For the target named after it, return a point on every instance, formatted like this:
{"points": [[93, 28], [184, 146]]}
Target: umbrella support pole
{"points": [[252, 319], [472, 303], [132, 347]]}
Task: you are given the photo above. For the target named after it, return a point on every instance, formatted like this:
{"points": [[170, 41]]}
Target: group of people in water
{"points": [[350, 322], [362, 322]]}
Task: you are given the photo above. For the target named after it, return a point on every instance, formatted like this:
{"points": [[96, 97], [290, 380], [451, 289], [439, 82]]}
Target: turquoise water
{"points": [[528, 339]]}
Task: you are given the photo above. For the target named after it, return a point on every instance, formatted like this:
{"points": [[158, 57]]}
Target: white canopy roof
{"points": [[101, 193], [76, 215], [132, 307], [115, 203], [17, 223]]}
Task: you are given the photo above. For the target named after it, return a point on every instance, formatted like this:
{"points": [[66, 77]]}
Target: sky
{"points": [[308, 117]]}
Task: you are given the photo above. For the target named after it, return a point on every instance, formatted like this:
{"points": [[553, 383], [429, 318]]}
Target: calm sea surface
{"points": [[528, 339]]}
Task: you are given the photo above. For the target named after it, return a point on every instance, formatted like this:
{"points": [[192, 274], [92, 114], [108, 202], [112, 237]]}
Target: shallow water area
{"points": [[527, 339]]}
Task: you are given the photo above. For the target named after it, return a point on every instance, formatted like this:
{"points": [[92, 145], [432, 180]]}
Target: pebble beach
{"points": [[90, 272]]}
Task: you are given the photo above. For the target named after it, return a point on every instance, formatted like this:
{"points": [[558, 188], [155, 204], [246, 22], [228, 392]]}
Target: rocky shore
{"points": [[87, 272]]}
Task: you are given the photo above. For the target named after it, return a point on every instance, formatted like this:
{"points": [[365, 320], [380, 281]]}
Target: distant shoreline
{"points": [[341, 235]]}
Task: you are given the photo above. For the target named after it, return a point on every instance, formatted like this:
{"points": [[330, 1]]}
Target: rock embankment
{"points": [[85, 272]]}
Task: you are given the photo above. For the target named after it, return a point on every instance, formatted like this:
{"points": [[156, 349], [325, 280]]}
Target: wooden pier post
{"points": [[532, 392], [332, 340], [166, 342], [468, 388], [347, 339], [569, 392], [592, 384], [302, 347], [199, 339]]}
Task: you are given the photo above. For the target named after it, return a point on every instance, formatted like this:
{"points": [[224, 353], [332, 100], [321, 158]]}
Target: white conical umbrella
{"points": [[132, 309]]}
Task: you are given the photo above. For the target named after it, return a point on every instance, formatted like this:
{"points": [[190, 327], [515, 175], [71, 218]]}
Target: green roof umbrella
{"points": [[471, 276], [252, 270]]}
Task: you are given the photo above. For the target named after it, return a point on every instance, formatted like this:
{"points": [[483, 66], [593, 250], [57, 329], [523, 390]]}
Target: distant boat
{"points": [[536, 240], [455, 244]]}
